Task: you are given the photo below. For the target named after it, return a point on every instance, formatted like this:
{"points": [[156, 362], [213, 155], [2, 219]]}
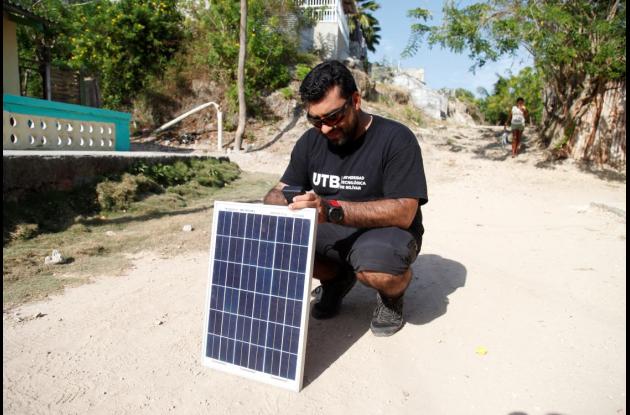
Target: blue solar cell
{"points": [[279, 283], [263, 280], [261, 306], [249, 228], [256, 297]]}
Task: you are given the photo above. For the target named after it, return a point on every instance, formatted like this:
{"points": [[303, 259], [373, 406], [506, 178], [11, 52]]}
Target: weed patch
{"points": [[99, 242]]}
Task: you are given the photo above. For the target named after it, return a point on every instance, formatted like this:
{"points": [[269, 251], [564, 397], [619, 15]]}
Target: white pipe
{"points": [[220, 130], [194, 110]]}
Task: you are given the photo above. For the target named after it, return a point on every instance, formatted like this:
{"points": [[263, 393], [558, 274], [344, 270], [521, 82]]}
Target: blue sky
{"points": [[442, 68]]}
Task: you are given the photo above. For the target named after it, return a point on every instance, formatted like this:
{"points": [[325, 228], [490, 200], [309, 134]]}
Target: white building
{"points": [[330, 35]]}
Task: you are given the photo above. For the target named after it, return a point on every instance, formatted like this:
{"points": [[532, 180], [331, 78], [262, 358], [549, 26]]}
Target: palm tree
{"points": [[366, 22]]}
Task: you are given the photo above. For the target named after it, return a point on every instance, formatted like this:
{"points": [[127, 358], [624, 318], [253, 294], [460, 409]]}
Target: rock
{"points": [[458, 112], [364, 84], [280, 105], [110, 233], [392, 93], [54, 258], [187, 228], [431, 102]]}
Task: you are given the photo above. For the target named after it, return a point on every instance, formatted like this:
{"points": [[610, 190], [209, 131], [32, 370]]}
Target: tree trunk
{"points": [[586, 123], [242, 55]]}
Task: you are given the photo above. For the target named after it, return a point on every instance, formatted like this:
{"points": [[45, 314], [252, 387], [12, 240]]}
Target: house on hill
{"points": [[331, 34]]}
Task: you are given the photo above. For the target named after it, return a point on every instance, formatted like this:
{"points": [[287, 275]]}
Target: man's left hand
{"points": [[310, 200]]}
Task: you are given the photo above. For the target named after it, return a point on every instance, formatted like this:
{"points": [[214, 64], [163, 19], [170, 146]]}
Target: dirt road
{"points": [[518, 306]]}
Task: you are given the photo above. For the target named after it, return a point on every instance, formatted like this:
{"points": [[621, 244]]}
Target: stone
{"points": [[54, 258], [187, 228]]}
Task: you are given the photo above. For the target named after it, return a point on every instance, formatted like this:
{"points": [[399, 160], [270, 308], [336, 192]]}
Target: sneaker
{"points": [[331, 294], [387, 318]]}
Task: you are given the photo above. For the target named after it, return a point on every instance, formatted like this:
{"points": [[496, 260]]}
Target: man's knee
{"points": [[385, 253], [385, 283]]}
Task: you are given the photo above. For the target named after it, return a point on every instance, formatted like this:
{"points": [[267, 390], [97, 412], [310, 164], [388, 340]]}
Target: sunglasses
{"points": [[333, 118]]}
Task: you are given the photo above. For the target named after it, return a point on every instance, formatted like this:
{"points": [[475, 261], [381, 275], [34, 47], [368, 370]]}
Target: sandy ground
{"points": [[521, 259]]}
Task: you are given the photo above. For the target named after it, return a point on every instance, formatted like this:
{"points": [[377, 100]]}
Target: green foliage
{"points": [[528, 84], [206, 172], [146, 179], [572, 37], [271, 49], [117, 195], [465, 95], [287, 92], [123, 43], [365, 20], [301, 71]]}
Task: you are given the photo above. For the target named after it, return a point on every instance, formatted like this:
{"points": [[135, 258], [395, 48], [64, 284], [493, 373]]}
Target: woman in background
{"points": [[516, 119]]}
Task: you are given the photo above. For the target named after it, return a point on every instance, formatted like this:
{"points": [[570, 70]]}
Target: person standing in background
{"points": [[516, 119]]}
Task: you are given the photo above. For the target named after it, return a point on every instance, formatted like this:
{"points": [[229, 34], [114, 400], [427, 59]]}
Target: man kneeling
{"points": [[364, 175]]}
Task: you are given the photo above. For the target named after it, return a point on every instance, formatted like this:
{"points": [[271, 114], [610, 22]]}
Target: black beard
{"points": [[349, 134]]}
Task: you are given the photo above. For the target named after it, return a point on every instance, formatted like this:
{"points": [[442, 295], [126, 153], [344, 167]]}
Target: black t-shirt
{"points": [[384, 163]]}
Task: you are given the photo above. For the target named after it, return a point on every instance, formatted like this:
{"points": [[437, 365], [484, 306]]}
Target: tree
{"points": [[366, 22], [271, 49], [526, 84], [125, 43], [242, 56], [579, 48]]}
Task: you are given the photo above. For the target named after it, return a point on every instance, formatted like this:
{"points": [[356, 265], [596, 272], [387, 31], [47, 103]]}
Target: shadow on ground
{"points": [[297, 112], [435, 278], [425, 300], [155, 145]]}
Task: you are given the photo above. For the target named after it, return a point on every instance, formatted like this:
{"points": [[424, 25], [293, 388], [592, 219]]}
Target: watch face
{"points": [[336, 214]]}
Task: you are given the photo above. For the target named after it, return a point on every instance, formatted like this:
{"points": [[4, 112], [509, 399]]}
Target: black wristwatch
{"points": [[334, 211]]}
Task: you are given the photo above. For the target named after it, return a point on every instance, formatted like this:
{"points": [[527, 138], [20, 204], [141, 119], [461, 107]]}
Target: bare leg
{"points": [[514, 142], [392, 286], [517, 141]]}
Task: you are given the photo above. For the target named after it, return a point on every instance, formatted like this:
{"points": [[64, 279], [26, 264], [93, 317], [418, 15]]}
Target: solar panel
{"points": [[256, 315]]}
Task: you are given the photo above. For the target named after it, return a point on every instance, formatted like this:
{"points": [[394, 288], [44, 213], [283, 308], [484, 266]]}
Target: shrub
{"points": [[24, 231], [301, 71]]}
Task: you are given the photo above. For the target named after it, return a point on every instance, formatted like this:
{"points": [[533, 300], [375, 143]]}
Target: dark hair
{"points": [[519, 99], [325, 76]]}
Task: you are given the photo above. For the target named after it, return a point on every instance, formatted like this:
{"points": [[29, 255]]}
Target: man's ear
{"points": [[356, 100]]}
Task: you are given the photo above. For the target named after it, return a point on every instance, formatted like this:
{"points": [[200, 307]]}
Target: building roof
{"points": [[21, 14]]}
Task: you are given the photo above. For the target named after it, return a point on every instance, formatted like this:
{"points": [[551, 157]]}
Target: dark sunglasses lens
{"points": [[333, 119], [316, 122]]}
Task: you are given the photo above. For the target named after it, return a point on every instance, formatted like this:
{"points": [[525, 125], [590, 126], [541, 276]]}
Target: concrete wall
{"points": [[24, 174], [326, 39], [10, 70]]}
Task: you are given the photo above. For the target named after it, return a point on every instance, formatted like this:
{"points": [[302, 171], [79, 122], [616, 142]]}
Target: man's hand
{"points": [[275, 196], [310, 200]]}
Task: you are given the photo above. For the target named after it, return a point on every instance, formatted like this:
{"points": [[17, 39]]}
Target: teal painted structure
{"points": [[43, 108]]}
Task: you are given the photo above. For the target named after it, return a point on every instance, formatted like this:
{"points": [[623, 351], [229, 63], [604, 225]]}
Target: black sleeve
{"points": [[296, 173], [404, 171]]}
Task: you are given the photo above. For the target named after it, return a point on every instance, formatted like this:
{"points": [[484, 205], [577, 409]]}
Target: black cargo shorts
{"points": [[388, 250]]}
